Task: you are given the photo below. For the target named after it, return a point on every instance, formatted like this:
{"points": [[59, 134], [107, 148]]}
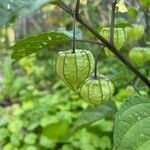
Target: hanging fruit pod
{"points": [[97, 91], [135, 32], [119, 38], [139, 55], [74, 68]]}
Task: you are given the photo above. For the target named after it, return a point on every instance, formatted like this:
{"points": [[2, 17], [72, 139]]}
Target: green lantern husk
{"points": [[97, 91], [74, 68]]}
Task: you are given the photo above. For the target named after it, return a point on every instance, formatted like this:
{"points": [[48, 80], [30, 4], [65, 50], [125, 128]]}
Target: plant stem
{"points": [[146, 21], [95, 69], [89, 41], [75, 14], [74, 33], [96, 62], [107, 44], [113, 3], [77, 7], [145, 11]]}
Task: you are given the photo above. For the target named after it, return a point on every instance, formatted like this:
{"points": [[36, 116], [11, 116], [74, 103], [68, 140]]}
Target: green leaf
{"points": [[57, 131], [46, 142], [10, 10], [131, 130], [8, 72], [4, 118], [30, 138], [15, 125], [16, 138], [33, 44], [10, 146], [4, 134], [92, 114], [132, 12], [146, 3], [29, 147]]}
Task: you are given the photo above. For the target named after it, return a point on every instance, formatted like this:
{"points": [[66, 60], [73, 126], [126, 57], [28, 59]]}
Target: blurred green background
{"points": [[37, 111]]}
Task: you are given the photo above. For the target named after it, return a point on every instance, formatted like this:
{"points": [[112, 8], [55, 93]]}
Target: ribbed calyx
{"points": [[74, 68], [120, 38], [135, 32], [97, 91], [139, 55]]}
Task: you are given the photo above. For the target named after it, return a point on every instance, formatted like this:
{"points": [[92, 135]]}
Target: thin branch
{"points": [[77, 7], [146, 21], [74, 33], [96, 62], [107, 44], [113, 3], [89, 41], [75, 14], [145, 11]]}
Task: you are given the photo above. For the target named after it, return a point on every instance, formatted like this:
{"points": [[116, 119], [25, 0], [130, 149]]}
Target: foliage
{"points": [[36, 115], [131, 125], [37, 111], [33, 44], [10, 10]]}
